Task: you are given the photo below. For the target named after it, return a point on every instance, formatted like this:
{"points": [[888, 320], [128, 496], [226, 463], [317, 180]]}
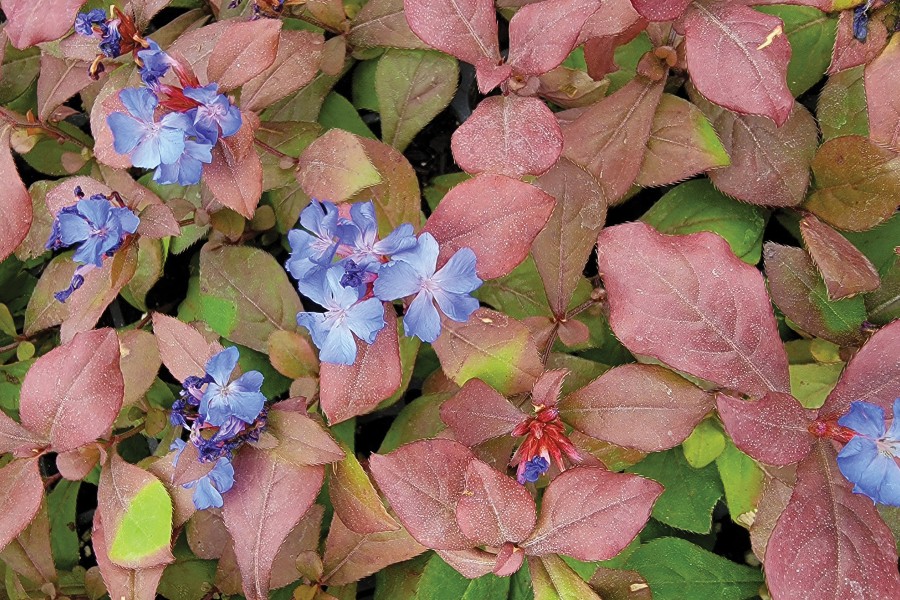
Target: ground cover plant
{"points": [[442, 299]]}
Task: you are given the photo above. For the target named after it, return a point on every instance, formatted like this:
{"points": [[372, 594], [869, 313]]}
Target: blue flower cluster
{"points": [[95, 24], [180, 141], [869, 460], [221, 415], [340, 263], [98, 225]]}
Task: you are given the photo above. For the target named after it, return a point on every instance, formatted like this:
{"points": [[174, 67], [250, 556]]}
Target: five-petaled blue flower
{"points": [[534, 468], [222, 399], [312, 253], [332, 332], [149, 142], [95, 224], [214, 113], [869, 460], [208, 489], [414, 272], [189, 166], [361, 234], [155, 64]]}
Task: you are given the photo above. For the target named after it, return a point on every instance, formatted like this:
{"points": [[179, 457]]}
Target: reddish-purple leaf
{"points": [[336, 166], [496, 216], [769, 164], [531, 50], [30, 22], [660, 10], [494, 508], [617, 24], [75, 465], [772, 430], [471, 563], [383, 23], [301, 542], [848, 51], [158, 221], [774, 499], [268, 499], [467, 29], [396, 196], [350, 390], [509, 135], [106, 103], [689, 302], [29, 554], [355, 499], [182, 498], [139, 584], [872, 375], [738, 58], [563, 246], [301, 441], [646, 407], [590, 513], [490, 346], [59, 80], [235, 174], [477, 413], [508, 560], [16, 439], [830, 544], [15, 202], [882, 97], [423, 481], [245, 50], [350, 556], [72, 394], [294, 66], [140, 363], [21, 493], [182, 348], [608, 137], [844, 268], [798, 291], [547, 388]]}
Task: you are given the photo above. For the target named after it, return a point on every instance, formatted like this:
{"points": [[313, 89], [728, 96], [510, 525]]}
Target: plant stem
{"points": [[273, 151]]}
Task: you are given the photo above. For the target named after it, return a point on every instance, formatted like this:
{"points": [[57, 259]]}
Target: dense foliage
{"points": [[645, 344]]}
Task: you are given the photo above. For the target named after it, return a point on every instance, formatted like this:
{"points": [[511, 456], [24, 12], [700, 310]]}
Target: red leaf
{"points": [[844, 268], [563, 246], [478, 413], [268, 499], [848, 51], [883, 99], [854, 553], [467, 29], [301, 441], [75, 465], [294, 66], [496, 216], [689, 302], [350, 556], [355, 499], [383, 23], [16, 439], [21, 493], [30, 554], [660, 10], [772, 430], [872, 375], [15, 202], [774, 499], [132, 584], [591, 514], [235, 174], [509, 560], [158, 221], [182, 348], [637, 406], [246, 49], [301, 542], [106, 103], [494, 508], [59, 80], [30, 22], [769, 164], [72, 395], [423, 481], [547, 388], [738, 58], [604, 137], [350, 390], [471, 563], [531, 50], [336, 166], [509, 135]]}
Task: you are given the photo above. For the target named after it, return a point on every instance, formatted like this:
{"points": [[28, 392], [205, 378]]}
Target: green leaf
{"points": [[338, 113], [553, 579], [519, 294], [188, 578], [440, 185], [811, 383], [399, 582], [418, 420], [698, 206], [440, 581], [811, 34], [627, 57], [743, 481], [11, 377], [842, 105], [883, 305], [7, 325], [672, 565], [274, 383], [63, 536], [878, 244], [704, 445], [364, 96], [47, 154], [146, 525], [690, 495], [413, 87]]}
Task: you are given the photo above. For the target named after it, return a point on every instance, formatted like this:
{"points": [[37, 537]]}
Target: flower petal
{"points": [[220, 365], [339, 347], [366, 319], [423, 257], [422, 319], [397, 280], [864, 418], [458, 307], [458, 275]]}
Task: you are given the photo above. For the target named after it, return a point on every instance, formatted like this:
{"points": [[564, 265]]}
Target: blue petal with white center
{"points": [[148, 142], [222, 399], [869, 459]]}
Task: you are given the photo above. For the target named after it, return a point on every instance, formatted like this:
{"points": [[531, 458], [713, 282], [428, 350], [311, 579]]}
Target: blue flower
{"points": [[362, 237], [313, 253], [413, 272], [189, 166], [150, 143], [96, 225], [85, 22], [240, 398], [208, 489], [534, 468], [869, 458], [215, 111], [332, 332], [111, 40], [155, 64]]}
